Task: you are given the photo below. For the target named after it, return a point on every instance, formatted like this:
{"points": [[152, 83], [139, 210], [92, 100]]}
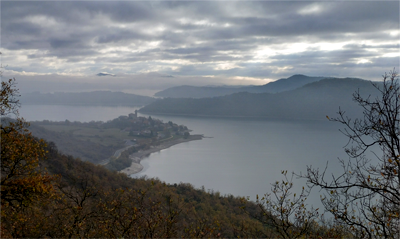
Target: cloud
{"points": [[105, 74], [192, 39]]}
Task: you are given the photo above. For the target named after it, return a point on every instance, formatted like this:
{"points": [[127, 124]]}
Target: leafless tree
{"points": [[366, 195]]}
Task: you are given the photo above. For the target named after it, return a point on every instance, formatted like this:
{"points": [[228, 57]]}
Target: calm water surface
{"points": [[241, 157], [244, 156]]}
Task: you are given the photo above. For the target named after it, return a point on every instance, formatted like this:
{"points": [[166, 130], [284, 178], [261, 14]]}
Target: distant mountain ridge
{"points": [[95, 98], [311, 101], [286, 84], [280, 85]]}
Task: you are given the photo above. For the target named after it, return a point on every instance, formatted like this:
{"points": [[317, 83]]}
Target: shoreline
{"points": [[136, 167]]}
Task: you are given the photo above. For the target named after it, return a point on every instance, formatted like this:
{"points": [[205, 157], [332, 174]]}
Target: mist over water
{"points": [[241, 157]]}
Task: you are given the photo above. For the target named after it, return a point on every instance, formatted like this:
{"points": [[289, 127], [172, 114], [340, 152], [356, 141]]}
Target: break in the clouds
{"points": [[156, 44]]}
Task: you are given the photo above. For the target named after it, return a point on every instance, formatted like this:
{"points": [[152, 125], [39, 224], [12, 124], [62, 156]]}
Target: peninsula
{"points": [[119, 144]]}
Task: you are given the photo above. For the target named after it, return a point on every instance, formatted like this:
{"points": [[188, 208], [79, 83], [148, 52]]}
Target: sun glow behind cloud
{"points": [[42, 21], [265, 52], [314, 8]]}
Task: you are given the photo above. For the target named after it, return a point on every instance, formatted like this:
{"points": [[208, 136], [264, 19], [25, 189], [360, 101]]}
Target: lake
{"points": [[239, 157]]}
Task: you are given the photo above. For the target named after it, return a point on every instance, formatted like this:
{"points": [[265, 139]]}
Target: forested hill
{"points": [[280, 85], [89, 201], [312, 101], [95, 98]]}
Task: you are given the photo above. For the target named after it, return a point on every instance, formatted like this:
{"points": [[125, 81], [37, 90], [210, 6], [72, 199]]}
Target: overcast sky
{"points": [[145, 46]]}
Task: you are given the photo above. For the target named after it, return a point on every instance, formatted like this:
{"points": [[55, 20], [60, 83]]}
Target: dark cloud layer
{"points": [[222, 39]]}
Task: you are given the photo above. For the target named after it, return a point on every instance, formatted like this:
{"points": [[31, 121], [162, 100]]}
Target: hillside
{"points": [[187, 91], [280, 85], [90, 201], [312, 101], [94, 98], [78, 147]]}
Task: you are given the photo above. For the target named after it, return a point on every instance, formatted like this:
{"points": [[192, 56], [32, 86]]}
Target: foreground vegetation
{"points": [[48, 194], [85, 200]]}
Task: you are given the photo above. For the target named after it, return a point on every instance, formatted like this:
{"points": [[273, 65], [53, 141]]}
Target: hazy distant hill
{"points": [[285, 84], [280, 85], [187, 91], [96, 98], [312, 101]]}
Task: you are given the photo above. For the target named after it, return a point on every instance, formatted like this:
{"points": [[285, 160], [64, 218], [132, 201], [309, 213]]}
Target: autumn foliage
{"points": [[48, 194], [21, 180]]}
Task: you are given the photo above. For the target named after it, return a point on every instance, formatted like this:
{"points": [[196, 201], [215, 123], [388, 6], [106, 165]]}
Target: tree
{"points": [[8, 98], [23, 181], [9, 103], [286, 212], [366, 195]]}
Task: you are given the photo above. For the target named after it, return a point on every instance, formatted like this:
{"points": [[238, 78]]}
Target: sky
{"points": [[146, 46]]}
